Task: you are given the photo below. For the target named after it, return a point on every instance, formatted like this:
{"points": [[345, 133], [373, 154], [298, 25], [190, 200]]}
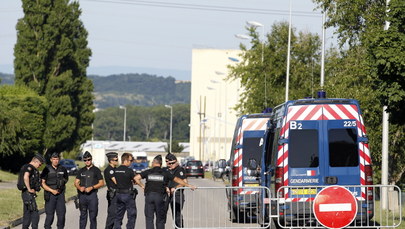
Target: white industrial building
{"points": [[99, 149], [213, 97]]}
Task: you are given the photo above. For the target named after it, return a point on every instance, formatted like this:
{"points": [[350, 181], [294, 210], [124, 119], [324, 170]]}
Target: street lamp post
{"points": [[125, 121], [171, 126]]}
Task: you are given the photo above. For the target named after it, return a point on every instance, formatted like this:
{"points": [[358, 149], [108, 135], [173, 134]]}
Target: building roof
{"points": [[132, 146]]}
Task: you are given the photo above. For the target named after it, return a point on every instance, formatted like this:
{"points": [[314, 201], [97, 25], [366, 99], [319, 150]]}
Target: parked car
{"points": [[194, 168], [138, 167], [219, 170], [70, 166]]}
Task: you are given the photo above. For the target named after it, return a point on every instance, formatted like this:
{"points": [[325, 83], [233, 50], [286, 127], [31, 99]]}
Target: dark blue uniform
{"points": [[179, 195], [55, 178], [126, 195], [109, 173], [156, 182], [88, 202], [30, 212]]}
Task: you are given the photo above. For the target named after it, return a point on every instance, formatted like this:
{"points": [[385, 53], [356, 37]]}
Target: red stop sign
{"points": [[335, 207]]}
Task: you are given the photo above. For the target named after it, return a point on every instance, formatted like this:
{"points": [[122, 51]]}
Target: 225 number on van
{"points": [[349, 123]]}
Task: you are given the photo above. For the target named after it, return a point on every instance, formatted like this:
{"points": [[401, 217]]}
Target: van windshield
{"points": [[343, 150], [303, 149], [251, 150]]}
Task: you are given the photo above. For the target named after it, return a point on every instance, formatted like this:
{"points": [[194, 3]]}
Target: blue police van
{"points": [[309, 144]]}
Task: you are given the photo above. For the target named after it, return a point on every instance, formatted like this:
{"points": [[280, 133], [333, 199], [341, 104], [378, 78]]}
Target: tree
{"points": [[253, 72], [360, 24], [51, 57], [22, 115], [176, 147]]}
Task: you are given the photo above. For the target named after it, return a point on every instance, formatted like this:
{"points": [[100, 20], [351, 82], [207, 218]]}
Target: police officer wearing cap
{"points": [[29, 184], [54, 178], [88, 180], [155, 188], [126, 193], [178, 171], [109, 177]]}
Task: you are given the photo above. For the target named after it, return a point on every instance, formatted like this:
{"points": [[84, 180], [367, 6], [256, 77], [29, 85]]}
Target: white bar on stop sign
{"points": [[335, 207]]}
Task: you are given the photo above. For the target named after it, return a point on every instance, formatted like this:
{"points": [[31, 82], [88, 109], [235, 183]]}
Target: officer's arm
{"points": [[47, 188], [99, 184], [27, 182], [114, 180], [138, 181], [180, 181], [77, 185]]}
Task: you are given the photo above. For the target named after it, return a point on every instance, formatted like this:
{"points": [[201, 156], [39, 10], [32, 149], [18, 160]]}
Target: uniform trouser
{"points": [[125, 202], [55, 203], [111, 211], [176, 207], [154, 204], [30, 212], [88, 206]]}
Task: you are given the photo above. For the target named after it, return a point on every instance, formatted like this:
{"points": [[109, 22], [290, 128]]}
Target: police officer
{"points": [[87, 182], [178, 171], [126, 193], [54, 177], [155, 188], [109, 176], [29, 184]]}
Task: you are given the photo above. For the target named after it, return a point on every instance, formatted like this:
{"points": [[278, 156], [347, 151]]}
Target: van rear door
{"points": [[343, 128]]}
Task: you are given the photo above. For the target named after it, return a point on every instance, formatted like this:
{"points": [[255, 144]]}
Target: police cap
{"points": [[112, 155], [54, 155], [87, 154], [171, 157], [40, 158]]}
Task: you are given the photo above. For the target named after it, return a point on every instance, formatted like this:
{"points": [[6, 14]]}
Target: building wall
{"points": [[212, 117]]}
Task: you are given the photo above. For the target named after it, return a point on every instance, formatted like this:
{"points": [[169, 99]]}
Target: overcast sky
{"points": [[157, 36]]}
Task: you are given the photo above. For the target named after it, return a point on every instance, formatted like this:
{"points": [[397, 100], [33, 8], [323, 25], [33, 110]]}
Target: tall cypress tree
{"points": [[51, 57]]}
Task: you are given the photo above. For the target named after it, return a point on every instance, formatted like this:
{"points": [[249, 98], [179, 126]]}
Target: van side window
{"points": [[303, 149], [343, 151]]}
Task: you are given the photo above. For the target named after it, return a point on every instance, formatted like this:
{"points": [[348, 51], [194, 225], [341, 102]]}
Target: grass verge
{"points": [[6, 176], [11, 207]]}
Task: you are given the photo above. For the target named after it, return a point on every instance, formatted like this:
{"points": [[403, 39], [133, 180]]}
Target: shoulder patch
{"points": [[111, 171], [29, 168], [181, 173]]}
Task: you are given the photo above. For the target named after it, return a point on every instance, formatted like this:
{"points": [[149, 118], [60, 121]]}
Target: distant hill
{"points": [[6, 78], [133, 89]]}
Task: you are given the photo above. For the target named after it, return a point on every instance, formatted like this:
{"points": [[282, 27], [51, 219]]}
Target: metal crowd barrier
{"points": [[210, 207], [378, 206]]}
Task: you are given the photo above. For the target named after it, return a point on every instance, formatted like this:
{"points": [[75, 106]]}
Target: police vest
{"points": [[87, 178], [155, 182], [55, 179], [33, 176]]}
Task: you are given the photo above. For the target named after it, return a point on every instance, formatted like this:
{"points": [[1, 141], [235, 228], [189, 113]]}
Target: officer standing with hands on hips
{"points": [[87, 181], [54, 178], [155, 188], [126, 193], [178, 171], [29, 183], [109, 177]]}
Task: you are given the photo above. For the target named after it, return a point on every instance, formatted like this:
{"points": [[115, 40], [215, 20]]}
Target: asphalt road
{"points": [[205, 207]]}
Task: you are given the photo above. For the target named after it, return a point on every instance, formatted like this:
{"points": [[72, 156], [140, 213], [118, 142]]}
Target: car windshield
{"points": [[194, 163], [67, 163]]}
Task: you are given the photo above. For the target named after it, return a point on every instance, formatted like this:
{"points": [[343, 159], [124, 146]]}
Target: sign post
{"points": [[335, 207]]}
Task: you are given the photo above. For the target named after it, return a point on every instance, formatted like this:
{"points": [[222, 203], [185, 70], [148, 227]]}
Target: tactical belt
{"points": [[124, 191]]}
